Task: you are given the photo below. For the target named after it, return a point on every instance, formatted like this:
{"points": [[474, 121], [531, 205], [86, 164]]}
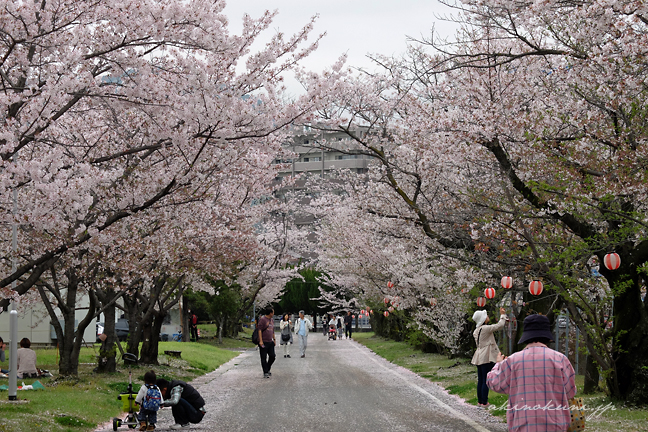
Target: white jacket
{"points": [[487, 349], [305, 322]]}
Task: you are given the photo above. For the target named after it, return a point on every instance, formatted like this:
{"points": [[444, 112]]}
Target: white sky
{"points": [[355, 27]]}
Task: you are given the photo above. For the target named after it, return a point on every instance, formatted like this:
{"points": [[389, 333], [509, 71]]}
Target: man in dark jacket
{"points": [[187, 406], [348, 321]]}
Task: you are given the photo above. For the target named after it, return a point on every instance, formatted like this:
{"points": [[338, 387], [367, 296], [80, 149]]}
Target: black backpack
{"points": [[255, 334]]}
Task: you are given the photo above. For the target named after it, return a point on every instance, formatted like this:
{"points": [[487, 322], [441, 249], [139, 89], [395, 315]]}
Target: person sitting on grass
{"points": [[187, 406], [26, 360], [149, 398], [2, 355]]}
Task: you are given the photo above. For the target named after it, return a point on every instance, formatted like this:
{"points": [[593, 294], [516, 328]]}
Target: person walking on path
{"points": [[325, 326], [267, 342], [348, 323], [487, 350], [286, 334], [339, 327], [149, 398], [302, 327], [187, 405], [538, 380]]}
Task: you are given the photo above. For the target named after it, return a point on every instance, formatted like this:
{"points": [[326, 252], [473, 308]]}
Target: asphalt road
{"points": [[339, 386]]}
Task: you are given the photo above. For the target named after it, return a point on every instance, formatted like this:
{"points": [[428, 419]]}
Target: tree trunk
{"points": [[108, 351], [591, 376], [134, 318], [629, 381], [221, 323], [69, 339], [184, 319], [149, 352]]}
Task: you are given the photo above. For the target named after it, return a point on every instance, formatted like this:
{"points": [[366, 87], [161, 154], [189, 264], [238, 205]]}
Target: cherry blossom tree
{"points": [[519, 149], [112, 108]]}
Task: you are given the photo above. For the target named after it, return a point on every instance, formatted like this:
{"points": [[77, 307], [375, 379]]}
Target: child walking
{"points": [[149, 398]]}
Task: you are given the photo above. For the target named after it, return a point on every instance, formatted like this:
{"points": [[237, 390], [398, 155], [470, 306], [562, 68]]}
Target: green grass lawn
{"points": [[81, 404], [209, 335], [459, 377]]}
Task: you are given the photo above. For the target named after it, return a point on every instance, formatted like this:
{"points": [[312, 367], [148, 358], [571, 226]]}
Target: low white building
{"points": [[34, 323]]}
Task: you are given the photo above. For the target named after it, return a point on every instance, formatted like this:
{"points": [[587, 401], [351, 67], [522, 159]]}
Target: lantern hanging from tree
{"points": [[507, 282], [386, 300], [481, 301], [390, 309], [390, 284], [433, 302], [489, 293], [386, 314], [353, 316], [612, 261], [535, 287]]}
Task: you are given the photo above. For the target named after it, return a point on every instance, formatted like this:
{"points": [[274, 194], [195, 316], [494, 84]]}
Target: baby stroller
{"points": [[332, 333], [128, 399]]}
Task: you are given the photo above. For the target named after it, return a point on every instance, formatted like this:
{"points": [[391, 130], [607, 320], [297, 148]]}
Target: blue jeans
{"points": [[184, 413], [148, 416], [482, 388]]}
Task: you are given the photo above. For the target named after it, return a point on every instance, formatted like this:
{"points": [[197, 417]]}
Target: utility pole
{"points": [[13, 314]]}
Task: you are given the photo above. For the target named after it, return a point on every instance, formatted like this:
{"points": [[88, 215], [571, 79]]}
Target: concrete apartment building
{"points": [[317, 153]]}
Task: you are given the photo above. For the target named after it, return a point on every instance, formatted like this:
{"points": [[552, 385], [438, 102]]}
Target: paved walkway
{"points": [[339, 386]]}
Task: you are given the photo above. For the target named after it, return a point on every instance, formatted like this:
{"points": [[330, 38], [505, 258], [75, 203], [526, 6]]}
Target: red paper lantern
{"points": [[612, 261], [386, 300], [507, 282], [481, 301], [390, 284], [390, 309], [535, 288], [353, 316], [433, 302], [386, 314], [489, 293]]}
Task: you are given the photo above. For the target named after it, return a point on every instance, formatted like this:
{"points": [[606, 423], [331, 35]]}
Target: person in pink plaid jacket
{"points": [[538, 380]]}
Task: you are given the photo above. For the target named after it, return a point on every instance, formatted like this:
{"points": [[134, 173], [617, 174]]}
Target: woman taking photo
{"points": [[286, 334], [487, 350]]}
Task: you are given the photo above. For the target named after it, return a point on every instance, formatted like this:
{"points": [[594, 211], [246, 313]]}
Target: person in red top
{"points": [[538, 380], [267, 342], [193, 326]]}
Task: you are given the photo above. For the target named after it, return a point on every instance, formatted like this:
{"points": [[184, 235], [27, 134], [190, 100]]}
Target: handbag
{"points": [[577, 413], [285, 337]]}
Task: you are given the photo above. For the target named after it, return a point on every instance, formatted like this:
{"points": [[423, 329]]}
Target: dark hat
{"points": [[536, 326]]}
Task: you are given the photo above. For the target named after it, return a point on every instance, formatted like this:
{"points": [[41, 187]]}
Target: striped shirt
{"points": [[539, 382]]}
